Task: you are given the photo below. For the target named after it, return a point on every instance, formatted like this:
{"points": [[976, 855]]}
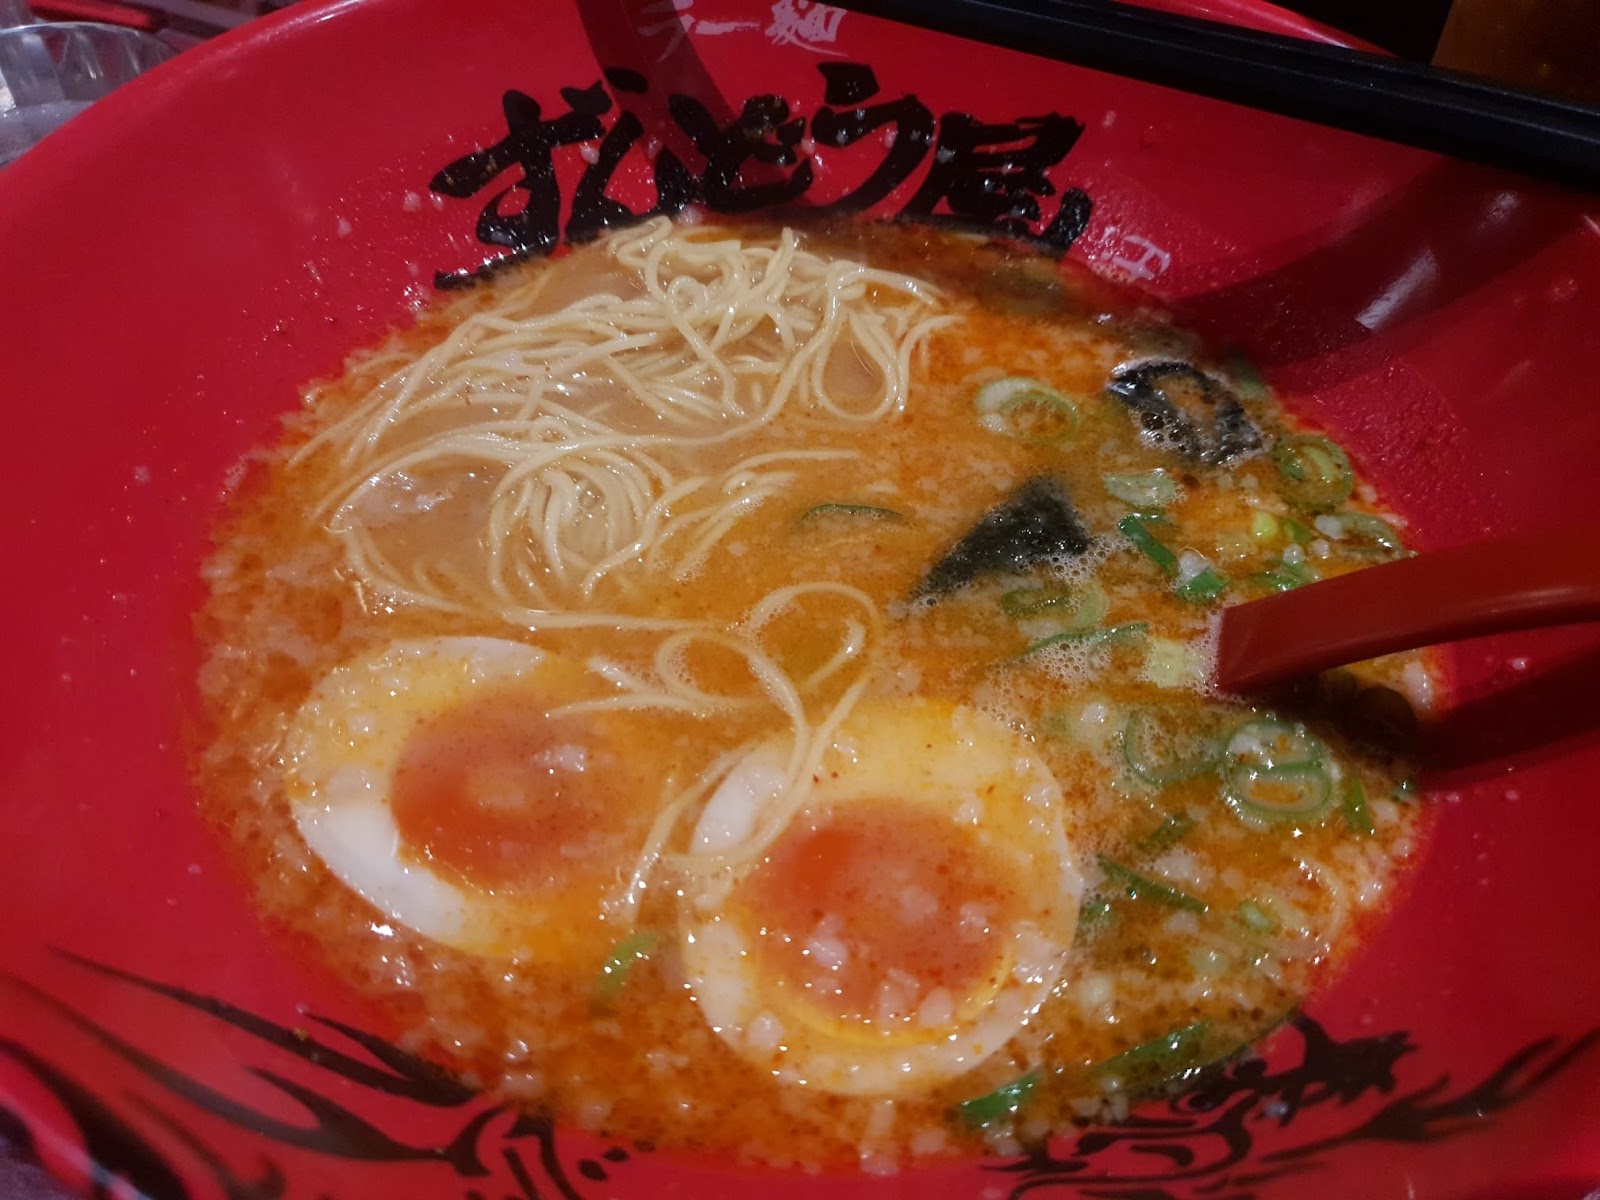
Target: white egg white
{"points": [[341, 757], [910, 759]]}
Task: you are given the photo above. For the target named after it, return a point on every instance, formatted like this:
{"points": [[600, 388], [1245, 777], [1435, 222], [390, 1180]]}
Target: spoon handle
{"points": [[1523, 582]]}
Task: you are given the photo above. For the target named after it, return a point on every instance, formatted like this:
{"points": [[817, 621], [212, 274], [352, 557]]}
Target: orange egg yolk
{"points": [[876, 907], [497, 794]]}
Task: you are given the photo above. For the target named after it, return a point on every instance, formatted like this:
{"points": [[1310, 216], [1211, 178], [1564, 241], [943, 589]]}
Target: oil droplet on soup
{"points": [[747, 691]]}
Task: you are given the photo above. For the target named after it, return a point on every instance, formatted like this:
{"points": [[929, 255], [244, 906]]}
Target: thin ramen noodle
{"points": [[746, 689]]}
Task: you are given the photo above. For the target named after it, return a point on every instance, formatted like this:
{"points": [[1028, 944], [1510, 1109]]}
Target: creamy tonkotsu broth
{"points": [[746, 690]]}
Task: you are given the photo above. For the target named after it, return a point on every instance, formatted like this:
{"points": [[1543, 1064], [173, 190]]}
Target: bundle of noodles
{"points": [[599, 424], [556, 441]]}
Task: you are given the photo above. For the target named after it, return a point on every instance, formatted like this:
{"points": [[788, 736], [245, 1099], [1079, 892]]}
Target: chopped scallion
{"points": [[1405, 792], [1167, 834], [1137, 530], [1284, 577], [1164, 745], [1370, 534], [624, 954], [1093, 912], [1027, 409], [1204, 586], [1316, 472], [1141, 887], [1275, 772], [1070, 608], [1299, 533], [1153, 489], [1159, 1059], [1269, 743], [1003, 1102], [1356, 811], [1263, 796]]}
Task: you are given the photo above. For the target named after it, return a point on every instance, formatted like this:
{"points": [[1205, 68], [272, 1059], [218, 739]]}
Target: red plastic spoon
{"points": [[1519, 582]]}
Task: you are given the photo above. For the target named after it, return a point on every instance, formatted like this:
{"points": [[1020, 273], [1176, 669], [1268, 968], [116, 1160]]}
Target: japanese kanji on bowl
{"points": [[179, 261]]}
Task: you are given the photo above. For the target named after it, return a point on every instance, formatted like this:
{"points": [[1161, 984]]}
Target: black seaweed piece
{"points": [[1032, 525], [1186, 411]]}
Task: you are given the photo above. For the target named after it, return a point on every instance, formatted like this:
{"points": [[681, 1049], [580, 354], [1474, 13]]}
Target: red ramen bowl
{"points": [[181, 259]]}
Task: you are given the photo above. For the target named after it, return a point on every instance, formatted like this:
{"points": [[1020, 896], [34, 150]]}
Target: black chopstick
{"points": [[1433, 109]]}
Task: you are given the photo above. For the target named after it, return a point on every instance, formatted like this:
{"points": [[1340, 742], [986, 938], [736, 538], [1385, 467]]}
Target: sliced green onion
{"points": [[1264, 527], [1070, 608], [1025, 408], [1356, 812], [1370, 534], [1316, 472], [1275, 772], [1204, 586], [1003, 1102], [1141, 887], [1284, 577], [1255, 916], [624, 954], [1264, 797], [1137, 530], [1167, 834], [1106, 635], [1405, 792], [1040, 420], [1269, 743], [1299, 533], [831, 509], [1159, 1059], [1093, 912], [1163, 745], [1153, 489]]}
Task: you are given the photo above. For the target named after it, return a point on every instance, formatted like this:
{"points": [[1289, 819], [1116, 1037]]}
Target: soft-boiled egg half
{"points": [[906, 923], [437, 778]]}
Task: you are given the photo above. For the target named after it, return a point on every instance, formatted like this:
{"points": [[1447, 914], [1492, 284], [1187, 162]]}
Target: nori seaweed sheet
{"points": [[1034, 524], [1212, 427]]}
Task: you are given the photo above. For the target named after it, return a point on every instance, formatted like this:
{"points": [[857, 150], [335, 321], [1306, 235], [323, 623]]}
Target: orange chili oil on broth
{"points": [[680, 683]]}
